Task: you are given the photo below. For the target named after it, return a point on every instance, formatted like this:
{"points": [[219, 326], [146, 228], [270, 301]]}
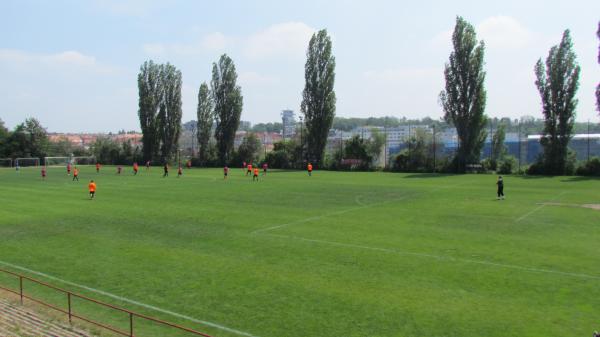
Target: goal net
{"points": [[56, 161], [5, 162], [26, 162], [83, 160]]}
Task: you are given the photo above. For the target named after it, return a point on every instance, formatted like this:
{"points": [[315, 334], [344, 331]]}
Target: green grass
{"points": [[347, 254]]}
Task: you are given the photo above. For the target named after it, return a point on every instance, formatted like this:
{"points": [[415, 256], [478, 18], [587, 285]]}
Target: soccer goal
{"points": [[56, 161], [5, 162], [83, 160], [27, 162]]}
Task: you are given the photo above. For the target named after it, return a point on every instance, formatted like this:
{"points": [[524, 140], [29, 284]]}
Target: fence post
{"points": [[131, 324], [69, 305], [21, 288]]}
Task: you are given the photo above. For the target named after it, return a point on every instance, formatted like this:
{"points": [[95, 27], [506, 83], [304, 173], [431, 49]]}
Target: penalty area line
{"points": [[124, 299], [524, 216], [438, 257]]}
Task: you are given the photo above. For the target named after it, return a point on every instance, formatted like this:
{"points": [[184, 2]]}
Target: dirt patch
{"points": [[592, 206], [595, 207]]}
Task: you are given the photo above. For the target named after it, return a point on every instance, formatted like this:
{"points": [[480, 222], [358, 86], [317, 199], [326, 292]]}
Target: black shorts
{"points": [[92, 192], [225, 174]]}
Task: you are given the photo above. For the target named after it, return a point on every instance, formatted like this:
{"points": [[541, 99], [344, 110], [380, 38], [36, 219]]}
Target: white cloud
{"points": [[134, 8], [208, 43], [71, 57], [67, 60], [254, 78], [215, 41], [504, 32], [154, 48], [498, 32], [288, 38]]}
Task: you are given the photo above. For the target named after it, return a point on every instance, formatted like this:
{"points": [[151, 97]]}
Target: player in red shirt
{"points": [[265, 167], [97, 167], [225, 172], [119, 169], [189, 163], [69, 169], [43, 173], [179, 172]]}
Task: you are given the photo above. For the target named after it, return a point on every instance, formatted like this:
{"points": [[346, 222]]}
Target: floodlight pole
{"points": [[588, 141], [519, 142], [434, 149]]}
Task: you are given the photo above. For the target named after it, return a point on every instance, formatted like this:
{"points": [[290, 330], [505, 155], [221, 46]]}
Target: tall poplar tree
{"points": [[557, 83], [205, 120], [228, 101], [318, 97], [149, 89], [169, 115], [464, 98]]}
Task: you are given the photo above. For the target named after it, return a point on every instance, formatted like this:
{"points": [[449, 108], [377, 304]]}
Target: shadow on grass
{"points": [[575, 179], [430, 175]]}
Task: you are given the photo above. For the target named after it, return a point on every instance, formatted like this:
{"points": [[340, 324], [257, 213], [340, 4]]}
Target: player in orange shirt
{"points": [[309, 168], [249, 169], [135, 168], [179, 172], [97, 167], [75, 174], [255, 177], [92, 188], [225, 172]]}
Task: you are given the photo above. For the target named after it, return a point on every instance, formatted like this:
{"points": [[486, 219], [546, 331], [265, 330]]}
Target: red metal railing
{"points": [[71, 314]]}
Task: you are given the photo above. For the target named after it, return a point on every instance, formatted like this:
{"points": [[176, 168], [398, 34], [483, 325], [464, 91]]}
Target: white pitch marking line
{"points": [[539, 207], [438, 257], [316, 217], [124, 299]]}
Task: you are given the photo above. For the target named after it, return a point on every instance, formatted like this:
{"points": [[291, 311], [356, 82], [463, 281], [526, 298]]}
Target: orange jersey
{"points": [[92, 187], [309, 167], [76, 172], [255, 171]]}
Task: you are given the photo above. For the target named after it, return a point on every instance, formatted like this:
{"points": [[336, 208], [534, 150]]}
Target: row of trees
{"points": [[464, 98], [221, 103], [28, 139]]}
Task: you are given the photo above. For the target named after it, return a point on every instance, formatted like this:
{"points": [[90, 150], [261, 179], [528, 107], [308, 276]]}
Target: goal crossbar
{"points": [[21, 162]]}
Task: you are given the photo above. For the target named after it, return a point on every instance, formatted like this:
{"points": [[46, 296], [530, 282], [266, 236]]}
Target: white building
{"points": [[289, 123]]}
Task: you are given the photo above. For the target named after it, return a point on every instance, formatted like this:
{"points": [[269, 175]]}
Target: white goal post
{"points": [[6, 162], [56, 161], [25, 162], [91, 160]]}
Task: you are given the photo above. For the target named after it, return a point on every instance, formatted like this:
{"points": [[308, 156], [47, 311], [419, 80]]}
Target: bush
{"points": [[589, 168], [507, 165]]}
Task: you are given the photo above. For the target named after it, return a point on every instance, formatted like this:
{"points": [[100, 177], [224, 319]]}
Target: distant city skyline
{"points": [[73, 64]]}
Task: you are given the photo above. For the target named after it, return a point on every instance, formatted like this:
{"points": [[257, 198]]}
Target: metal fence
{"points": [[72, 313]]}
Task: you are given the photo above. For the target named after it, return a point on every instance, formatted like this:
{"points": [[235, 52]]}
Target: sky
{"points": [[73, 64]]}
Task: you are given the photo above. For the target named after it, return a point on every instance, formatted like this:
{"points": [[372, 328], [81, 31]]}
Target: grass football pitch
{"points": [[335, 254]]}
